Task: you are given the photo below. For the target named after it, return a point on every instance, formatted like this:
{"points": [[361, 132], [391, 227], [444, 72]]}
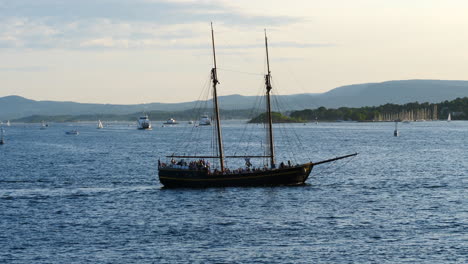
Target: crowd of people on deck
{"points": [[203, 165], [182, 164]]}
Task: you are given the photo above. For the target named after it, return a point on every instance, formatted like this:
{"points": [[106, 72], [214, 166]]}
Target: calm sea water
{"points": [[96, 198]]}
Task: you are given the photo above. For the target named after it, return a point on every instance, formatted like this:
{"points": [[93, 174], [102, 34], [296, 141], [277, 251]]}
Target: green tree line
{"points": [[276, 118], [458, 108]]}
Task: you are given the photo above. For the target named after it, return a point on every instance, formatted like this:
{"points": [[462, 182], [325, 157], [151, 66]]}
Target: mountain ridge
{"points": [[355, 95]]}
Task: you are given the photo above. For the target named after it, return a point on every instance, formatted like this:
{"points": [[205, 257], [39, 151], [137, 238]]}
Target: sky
{"points": [[142, 51]]}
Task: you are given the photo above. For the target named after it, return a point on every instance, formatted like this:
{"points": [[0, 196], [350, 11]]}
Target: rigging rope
{"points": [[191, 134]]}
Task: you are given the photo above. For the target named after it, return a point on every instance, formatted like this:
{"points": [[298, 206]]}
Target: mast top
{"points": [[214, 74], [268, 75]]}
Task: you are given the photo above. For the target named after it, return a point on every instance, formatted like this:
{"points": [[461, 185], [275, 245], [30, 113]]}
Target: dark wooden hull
{"points": [[180, 178]]}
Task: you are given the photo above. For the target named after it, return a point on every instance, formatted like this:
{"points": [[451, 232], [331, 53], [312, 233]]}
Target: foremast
{"points": [[214, 77], [268, 101]]}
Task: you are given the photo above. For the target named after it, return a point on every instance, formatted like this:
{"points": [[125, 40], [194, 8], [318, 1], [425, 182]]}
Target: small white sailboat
{"points": [[396, 133], [449, 118], [8, 123], [100, 125]]}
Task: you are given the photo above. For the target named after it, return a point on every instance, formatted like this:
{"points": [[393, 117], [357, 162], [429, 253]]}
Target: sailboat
{"points": [[8, 123], [449, 118], [2, 138], [199, 173], [100, 125]]}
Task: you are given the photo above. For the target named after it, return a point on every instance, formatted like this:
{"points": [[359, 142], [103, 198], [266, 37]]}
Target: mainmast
{"points": [[214, 77], [270, 122]]}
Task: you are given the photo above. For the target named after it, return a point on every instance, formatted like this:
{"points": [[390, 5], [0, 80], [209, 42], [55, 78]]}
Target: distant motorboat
{"points": [[190, 122], [144, 122], [72, 132], [204, 121], [100, 125], [171, 121]]}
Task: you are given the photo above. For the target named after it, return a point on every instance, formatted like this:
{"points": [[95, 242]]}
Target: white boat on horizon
{"points": [[171, 121], [449, 118], [204, 121], [144, 122], [100, 125]]}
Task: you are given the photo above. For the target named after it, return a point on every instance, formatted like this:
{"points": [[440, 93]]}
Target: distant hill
{"points": [[397, 92], [370, 94], [12, 107]]}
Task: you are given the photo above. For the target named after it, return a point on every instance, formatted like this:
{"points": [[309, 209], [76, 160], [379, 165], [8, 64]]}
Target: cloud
{"points": [[88, 24], [159, 12]]}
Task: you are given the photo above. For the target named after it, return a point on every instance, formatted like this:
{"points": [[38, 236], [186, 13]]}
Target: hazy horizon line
{"points": [[181, 102]]}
